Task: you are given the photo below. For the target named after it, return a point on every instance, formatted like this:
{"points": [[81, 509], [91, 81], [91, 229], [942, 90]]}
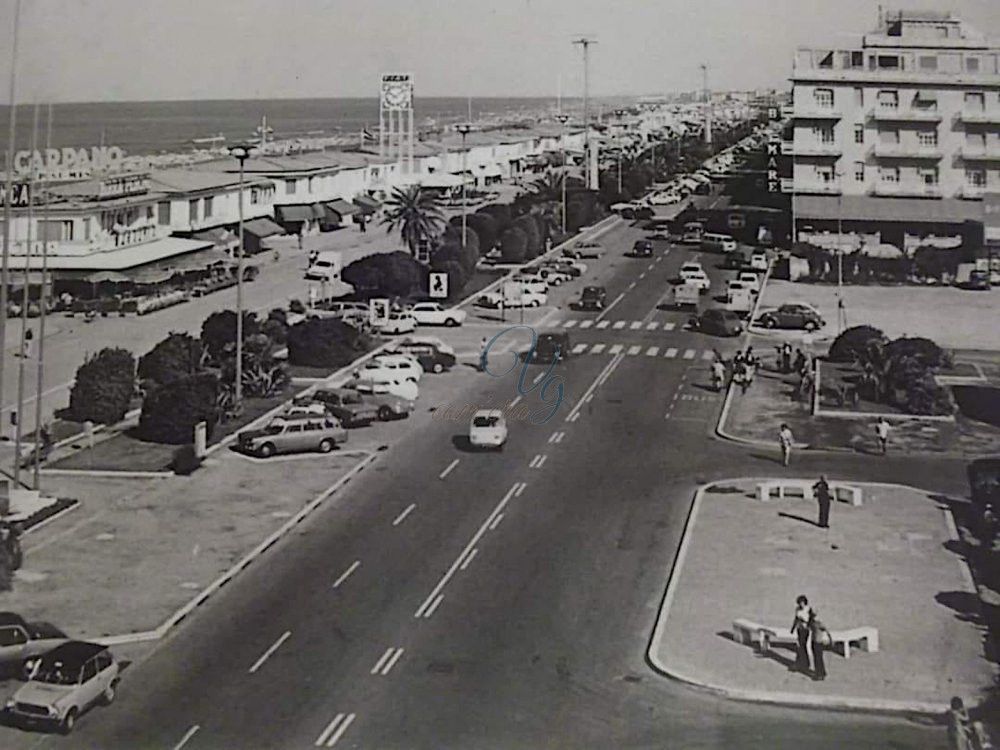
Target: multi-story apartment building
{"points": [[897, 141]]}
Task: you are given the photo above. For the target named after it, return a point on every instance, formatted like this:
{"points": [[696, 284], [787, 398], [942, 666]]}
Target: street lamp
{"points": [[464, 129], [563, 119], [242, 153], [619, 113]]}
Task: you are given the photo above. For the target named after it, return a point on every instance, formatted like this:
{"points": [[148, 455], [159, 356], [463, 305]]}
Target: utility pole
{"points": [[585, 42], [708, 104]]}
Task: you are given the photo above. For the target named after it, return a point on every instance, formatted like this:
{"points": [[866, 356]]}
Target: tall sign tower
{"points": [[395, 119]]}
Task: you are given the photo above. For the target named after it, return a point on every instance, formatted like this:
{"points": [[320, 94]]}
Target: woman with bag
{"points": [[819, 639]]}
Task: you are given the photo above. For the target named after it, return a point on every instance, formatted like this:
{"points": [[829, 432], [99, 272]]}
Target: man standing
{"points": [[882, 433], [785, 440], [822, 491]]}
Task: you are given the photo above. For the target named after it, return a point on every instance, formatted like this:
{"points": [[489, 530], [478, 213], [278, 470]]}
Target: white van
{"points": [[325, 267], [719, 242]]}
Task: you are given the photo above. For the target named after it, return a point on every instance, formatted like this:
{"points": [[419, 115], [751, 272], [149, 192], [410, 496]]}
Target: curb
{"points": [[107, 473], [218, 583], [795, 700]]}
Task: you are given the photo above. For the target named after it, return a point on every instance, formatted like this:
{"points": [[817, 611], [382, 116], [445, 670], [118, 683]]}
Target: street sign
{"points": [[20, 194], [438, 283], [378, 311]]}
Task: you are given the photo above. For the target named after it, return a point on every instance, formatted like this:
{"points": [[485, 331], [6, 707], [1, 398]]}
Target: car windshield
{"points": [[591, 291], [275, 428], [491, 421], [55, 673]]}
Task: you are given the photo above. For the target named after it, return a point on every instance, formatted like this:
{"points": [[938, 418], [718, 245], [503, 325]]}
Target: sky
{"points": [[128, 50]]}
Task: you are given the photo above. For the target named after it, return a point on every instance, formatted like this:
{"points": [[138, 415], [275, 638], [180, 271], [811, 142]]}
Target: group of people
{"points": [[786, 363], [741, 369], [786, 439]]}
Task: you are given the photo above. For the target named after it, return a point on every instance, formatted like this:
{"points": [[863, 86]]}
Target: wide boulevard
{"points": [[452, 599]]}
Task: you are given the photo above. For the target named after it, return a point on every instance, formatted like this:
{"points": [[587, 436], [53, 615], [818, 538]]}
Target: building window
{"points": [[824, 175], [163, 208], [857, 59], [888, 100], [149, 213], [974, 101], [975, 141], [859, 171], [888, 62], [823, 134], [55, 231], [925, 101], [928, 62], [289, 187], [193, 211], [972, 64], [859, 97], [859, 133], [889, 175], [254, 196], [929, 177], [927, 138], [975, 178], [823, 98], [208, 206]]}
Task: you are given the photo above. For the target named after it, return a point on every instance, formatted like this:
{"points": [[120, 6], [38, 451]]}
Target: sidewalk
{"points": [[886, 564]]}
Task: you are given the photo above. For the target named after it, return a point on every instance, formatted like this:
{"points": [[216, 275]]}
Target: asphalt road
{"points": [[503, 601]]}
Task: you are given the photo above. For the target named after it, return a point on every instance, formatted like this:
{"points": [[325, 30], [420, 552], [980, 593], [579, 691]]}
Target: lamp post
{"points": [[563, 119], [619, 113], [242, 153], [464, 129]]}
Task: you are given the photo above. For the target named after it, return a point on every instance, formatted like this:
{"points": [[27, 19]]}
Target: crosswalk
{"points": [[635, 350], [616, 325]]}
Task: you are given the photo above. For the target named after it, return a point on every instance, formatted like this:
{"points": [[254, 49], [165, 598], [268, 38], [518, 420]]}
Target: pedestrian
{"points": [[801, 362], [800, 629], [822, 492], [819, 638], [718, 375], [959, 728], [785, 439], [740, 376], [482, 348], [882, 427], [28, 345], [786, 357], [299, 238]]}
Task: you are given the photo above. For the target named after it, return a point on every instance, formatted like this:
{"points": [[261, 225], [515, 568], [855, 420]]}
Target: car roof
{"points": [[494, 412], [74, 652], [594, 289], [11, 618]]}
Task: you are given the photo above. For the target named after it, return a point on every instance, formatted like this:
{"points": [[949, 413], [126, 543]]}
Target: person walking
{"points": [[740, 376], [882, 428], [823, 497], [801, 363], [959, 727], [482, 356], [29, 343], [718, 375], [785, 439], [819, 638], [786, 357], [800, 629]]}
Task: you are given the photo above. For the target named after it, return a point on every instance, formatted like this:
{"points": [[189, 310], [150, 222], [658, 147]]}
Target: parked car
{"points": [[717, 322], [532, 283], [642, 249], [422, 340], [488, 429], [584, 250], [398, 322], [697, 279], [750, 278], [664, 199], [724, 243], [346, 405], [574, 268], [381, 406], [526, 298], [689, 268], [435, 314], [758, 261], [384, 384], [792, 315], [67, 681], [293, 435], [21, 642], [593, 298], [303, 407], [390, 367], [735, 285]]}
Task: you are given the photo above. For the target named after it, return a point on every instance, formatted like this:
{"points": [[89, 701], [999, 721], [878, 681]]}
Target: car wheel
{"points": [[68, 722], [384, 413], [451, 322], [438, 368], [770, 323], [325, 445], [266, 450], [108, 696], [810, 325]]}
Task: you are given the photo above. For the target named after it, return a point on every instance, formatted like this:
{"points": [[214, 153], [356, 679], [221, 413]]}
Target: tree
{"points": [[547, 188], [921, 349], [500, 213], [395, 274], [104, 387], [263, 375], [529, 226], [513, 245], [577, 215], [170, 412], [179, 355], [469, 255], [323, 342], [854, 341], [218, 332], [485, 227], [416, 213]]}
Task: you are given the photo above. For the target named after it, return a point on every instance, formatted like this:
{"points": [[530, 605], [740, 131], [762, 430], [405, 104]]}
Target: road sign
{"points": [[378, 311], [438, 285]]}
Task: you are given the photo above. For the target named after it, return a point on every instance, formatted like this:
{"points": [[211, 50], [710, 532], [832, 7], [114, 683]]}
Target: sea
{"points": [[141, 128]]}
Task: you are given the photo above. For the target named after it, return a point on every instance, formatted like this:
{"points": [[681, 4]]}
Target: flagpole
{"points": [[42, 306]]}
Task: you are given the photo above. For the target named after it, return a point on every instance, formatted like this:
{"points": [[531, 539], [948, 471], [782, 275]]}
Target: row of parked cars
{"points": [[529, 287], [400, 321]]}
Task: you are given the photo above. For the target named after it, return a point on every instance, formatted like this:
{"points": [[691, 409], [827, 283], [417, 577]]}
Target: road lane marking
{"points": [[602, 376], [597, 348], [619, 324], [525, 484], [431, 600], [652, 326], [689, 354], [496, 522], [382, 659], [187, 735], [434, 605], [556, 437], [607, 309], [603, 324], [541, 461], [707, 354], [539, 376], [573, 417], [534, 460], [468, 558], [635, 325], [392, 662], [586, 324], [334, 730], [649, 267], [402, 516], [652, 351], [579, 348], [669, 326], [387, 661], [632, 285], [515, 402], [569, 324], [451, 466], [346, 574], [634, 349], [274, 647], [642, 275], [670, 353]]}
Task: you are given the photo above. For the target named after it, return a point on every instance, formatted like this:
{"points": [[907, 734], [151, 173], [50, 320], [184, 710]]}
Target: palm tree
{"points": [[548, 188], [416, 213]]}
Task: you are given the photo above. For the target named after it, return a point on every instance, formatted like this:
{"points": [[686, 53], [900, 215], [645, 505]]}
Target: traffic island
{"points": [[885, 565]]}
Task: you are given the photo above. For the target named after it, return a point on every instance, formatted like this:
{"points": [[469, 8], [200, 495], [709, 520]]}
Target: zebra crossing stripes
{"points": [[635, 325], [632, 325], [689, 354], [616, 349], [597, 348], [579, 348], [569, 324], [619, 324], [669, 326], [652, 326], [586, 324], [633, 350], [603, 324], [670, 353], [652, 351], [706, 355]]}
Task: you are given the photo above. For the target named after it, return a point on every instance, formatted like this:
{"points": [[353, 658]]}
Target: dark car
{"points": [[552, 347], [642, 249], [346, 405], [792, 315], [718, 322], [583, 250], [431, 358], [984, 484], [593, 298], [21, 642]]}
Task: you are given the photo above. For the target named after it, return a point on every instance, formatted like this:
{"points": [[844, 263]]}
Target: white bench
{"points": [[839, 491], [749, 632]]}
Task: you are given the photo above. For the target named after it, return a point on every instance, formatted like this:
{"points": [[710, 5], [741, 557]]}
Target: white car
{"points": [[535, 284], [526, 299], [398, 322], [691, 268], [698, 279], [553, 276], [751, 279], [664, 199], [758, 261], [391, 365], [385, 384], [488, 429], [403, 362], [434, 314]]}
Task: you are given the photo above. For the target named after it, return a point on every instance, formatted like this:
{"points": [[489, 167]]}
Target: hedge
{"points": [[170, 412], [104, 387]]}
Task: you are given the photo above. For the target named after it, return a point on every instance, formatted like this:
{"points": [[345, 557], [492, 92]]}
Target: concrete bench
{"points": [[749, 632], [840, 492]]}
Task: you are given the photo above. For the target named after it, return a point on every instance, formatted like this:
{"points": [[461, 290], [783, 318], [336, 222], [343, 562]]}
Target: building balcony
{"points": [[889, 114], [979, 117], [816, 187], [900, 151], [815, 112], [972, 192], [981, 153], [812, 148], [906, 190]]}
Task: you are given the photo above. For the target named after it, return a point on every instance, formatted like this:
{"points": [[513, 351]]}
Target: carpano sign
{"points": [[68, 163]]}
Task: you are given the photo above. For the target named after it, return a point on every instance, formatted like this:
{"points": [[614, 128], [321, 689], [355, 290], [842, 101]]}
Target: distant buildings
{"points": [[896, 141]]}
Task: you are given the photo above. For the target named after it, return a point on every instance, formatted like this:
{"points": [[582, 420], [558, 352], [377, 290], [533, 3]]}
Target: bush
{"points": [[323, 342], [577, 215], [533, 245], [396, 274], [923, 350], [513, 245], [924, 396], [450, 259], [297, 306], [170, 412], [178, 356], [104, 387], [500, 214], [467, 256], [485, 227], [853, 342], [218, 332]]}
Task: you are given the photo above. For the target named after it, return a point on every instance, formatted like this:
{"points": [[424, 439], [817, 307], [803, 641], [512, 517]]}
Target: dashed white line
{"points": [[468, 558], [649, 267], [689, 354], [573, 417], [556, 437], [670, 353], [539, 376], [515, 402], [387, 661], [451, 466], [335, 730], [274, 647], [346, 574], [632, 285], [643, 274], [652, 351], [402, 516], [524, 484], [604, 375], [187, 735], [496, 522], [434, 605], [534, 460]]}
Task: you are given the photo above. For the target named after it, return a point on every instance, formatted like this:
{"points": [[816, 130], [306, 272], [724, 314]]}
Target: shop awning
{"points": [[152, 274], [367, 204], [299, 212], [342, 207], [489, 170], [202, 259], [872, 208], [115, 260], [221, 237], [100, 277], [261, 228]]}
